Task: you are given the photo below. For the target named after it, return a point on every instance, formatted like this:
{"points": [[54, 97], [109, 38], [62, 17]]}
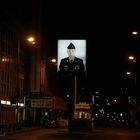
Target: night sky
{"points": [[107, 29], [105, 26]]}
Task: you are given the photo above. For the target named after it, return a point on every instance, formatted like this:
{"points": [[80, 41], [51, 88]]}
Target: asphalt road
{"points": [[62, 134]]}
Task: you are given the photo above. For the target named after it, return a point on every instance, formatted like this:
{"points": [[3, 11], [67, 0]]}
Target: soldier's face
{"points": [[71, 53]]}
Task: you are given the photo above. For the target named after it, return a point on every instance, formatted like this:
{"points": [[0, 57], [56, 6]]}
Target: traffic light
{"points": [[115, 101]]}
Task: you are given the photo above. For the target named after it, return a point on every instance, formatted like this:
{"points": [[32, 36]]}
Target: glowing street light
{"points": [[134, 33], [31, 40], [131, 57], [128, 73], [53, 60]]}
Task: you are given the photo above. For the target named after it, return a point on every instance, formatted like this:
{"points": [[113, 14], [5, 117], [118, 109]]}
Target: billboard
{"points": [[71, 56]]}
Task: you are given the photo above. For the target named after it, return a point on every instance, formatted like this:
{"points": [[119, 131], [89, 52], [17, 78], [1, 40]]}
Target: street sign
{"points": [[82, 106], [42, 103]]}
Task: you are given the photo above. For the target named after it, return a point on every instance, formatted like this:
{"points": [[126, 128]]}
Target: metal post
{"points": [[17, 89], [75, 93], [135, 84]]}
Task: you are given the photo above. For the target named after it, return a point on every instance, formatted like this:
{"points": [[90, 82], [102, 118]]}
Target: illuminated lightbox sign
{"points": [[42, 103], [69, 48]]}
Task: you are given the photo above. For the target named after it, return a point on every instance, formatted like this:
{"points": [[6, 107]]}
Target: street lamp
{"points": [[135, 36], [132, 75], [32, 41], [53, 60], [134, 33], [17, 87], [128, 73], [131, 58]]}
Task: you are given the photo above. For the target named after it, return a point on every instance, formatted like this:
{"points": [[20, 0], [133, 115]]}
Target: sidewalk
{"points": [[23, 129]]}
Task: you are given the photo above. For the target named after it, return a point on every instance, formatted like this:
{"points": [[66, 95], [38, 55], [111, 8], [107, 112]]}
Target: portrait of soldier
{"points": [[71, 64]]}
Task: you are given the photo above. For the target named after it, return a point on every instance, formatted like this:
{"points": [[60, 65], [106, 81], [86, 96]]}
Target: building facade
{"points": [[22, 70], [11, 73]]}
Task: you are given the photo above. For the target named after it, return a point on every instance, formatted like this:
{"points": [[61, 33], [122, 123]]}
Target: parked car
{"points": [[62, 123]]}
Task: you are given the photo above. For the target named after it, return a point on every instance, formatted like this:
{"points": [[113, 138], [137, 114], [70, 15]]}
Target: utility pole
{"points": [[17, 89]]}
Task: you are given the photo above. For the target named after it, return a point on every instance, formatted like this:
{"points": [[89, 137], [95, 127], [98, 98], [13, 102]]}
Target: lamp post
{"points": [[133, 74], [32, 41], [135, 36], [17, 88], [134, 77]]}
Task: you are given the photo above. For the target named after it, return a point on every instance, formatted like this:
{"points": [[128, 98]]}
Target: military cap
{"points": [[71, 46]]}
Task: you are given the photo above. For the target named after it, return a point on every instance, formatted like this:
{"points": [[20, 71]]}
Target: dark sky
{"points": [[106, 26]]}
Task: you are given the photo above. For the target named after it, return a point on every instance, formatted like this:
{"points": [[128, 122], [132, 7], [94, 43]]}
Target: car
{"points": [[62, 123]]}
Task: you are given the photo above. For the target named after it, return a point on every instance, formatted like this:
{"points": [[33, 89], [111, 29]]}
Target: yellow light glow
{"points": [[33, 42], [53, 60], [131, 57], [31, 39], [3, 59]]}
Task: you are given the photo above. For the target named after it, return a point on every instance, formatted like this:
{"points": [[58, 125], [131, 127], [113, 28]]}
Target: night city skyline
{"points": [[71, 62]]}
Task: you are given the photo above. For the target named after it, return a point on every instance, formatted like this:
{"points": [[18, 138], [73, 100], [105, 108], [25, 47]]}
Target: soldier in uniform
{"points": [[71, 64]]}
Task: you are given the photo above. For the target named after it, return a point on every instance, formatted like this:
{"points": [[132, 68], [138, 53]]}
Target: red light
{"points": [[115, 101]]}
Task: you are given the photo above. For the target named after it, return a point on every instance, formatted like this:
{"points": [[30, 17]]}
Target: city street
{"points": [[62, 134]]}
